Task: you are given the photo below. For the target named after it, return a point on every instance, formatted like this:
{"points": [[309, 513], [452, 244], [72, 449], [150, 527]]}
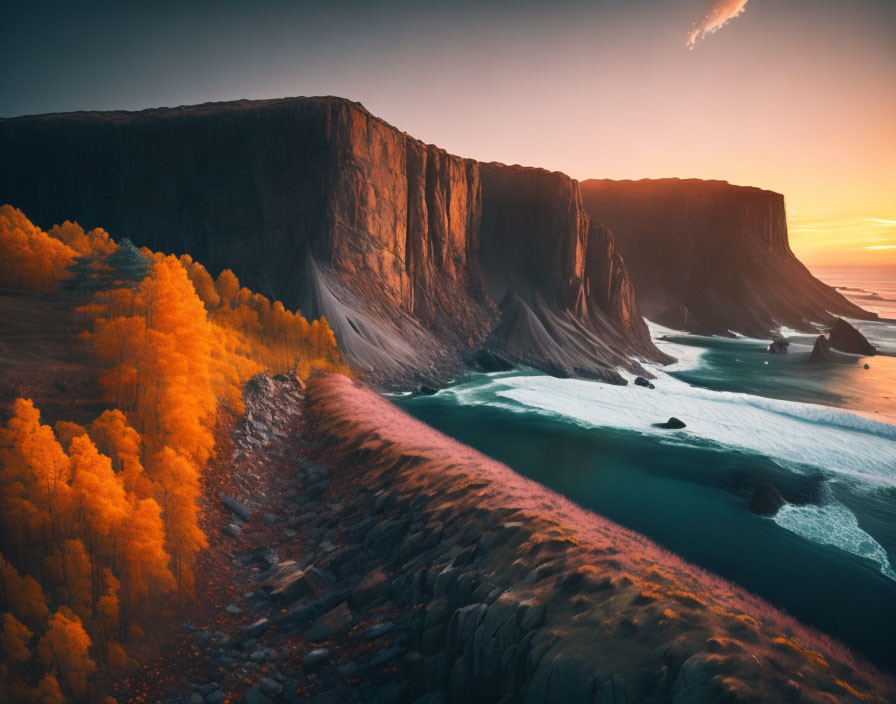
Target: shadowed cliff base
{"points": [[712, 258], [411, 249], [582, 610]]}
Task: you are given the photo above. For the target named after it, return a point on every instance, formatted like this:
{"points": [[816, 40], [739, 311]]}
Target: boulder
{"points": [[846, 338], [374, 585], [253, 630], [427, 390], [333, 622], [821, 352], [237, 507], [641, 381], [290, 582], [778, 346], [377, 631], [672, 424], [766, 500], [315, 659]]}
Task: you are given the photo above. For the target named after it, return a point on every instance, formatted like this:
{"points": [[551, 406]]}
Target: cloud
{"points": [[717, 17]]}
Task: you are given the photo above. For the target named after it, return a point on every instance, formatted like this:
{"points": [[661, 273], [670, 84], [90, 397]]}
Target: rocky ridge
{"points": [[401, 566]]}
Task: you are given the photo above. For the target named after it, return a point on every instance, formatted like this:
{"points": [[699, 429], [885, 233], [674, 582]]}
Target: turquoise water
{"points": [[743, 365], [828, 556]]}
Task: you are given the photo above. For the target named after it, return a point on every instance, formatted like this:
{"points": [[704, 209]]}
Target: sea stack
{"points": [[821, 351], [846, 338]]}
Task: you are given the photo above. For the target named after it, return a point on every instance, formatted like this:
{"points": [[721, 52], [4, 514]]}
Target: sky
{"points": [[798, 96]]}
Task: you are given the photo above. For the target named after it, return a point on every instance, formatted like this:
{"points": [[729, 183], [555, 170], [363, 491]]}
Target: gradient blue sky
{"points": [[794, 95]]}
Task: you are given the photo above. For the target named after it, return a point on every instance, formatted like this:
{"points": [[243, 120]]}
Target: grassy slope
{"points": [[616, 604]]}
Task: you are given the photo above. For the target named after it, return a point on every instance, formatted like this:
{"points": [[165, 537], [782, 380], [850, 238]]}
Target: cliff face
{"points": [[407, 250], [711, 257]]}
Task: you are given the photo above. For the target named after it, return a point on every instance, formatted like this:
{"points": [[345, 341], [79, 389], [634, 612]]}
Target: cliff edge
{"points": [[407, 250], [710, 257]]}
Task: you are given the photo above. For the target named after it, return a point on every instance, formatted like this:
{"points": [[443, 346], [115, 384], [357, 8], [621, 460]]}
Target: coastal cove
{"points": [[827, 557]]}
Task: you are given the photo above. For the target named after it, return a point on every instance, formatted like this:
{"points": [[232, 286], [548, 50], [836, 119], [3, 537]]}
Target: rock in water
{"points": [[427, 390], [672, 424], [766, 500], [846, 338], [778, 346], [641, 381], [821, 352]]}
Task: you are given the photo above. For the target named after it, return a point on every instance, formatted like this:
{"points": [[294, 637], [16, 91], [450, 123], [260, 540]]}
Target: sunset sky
{"points": [[798, 96]]}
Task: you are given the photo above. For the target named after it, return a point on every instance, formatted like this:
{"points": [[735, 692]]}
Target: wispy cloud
{"points": [[717, 17]]}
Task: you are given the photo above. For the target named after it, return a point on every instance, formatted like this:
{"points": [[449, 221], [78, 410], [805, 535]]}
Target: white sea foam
{"points": [[834, 524], [687, 357], [859, 451], [832, 440]]}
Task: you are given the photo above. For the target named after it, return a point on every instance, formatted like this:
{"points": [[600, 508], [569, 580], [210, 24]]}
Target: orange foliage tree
{"points": [[105, 517], [40, 262], [31, 260]]}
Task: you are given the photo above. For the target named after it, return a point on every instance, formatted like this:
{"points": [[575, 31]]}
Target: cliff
{"points": [[710, 257], [407, 250]]}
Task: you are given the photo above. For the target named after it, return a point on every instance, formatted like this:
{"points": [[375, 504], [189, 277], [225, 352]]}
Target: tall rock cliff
{"points": [[710, 257], [416, 257]]}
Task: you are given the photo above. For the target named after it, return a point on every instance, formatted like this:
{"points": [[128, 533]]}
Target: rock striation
{"points": [[710, 257], [407, 250]]}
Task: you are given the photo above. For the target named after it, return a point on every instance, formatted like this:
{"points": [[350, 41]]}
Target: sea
{"points": [[824, 435]]}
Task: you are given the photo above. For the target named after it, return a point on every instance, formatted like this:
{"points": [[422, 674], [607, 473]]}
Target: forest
{"points": [[99, 530]]}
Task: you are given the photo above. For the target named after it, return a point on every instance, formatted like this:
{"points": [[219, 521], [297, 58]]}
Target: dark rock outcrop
{"points": [[672, 424], [488, 361], [821, 350], [777, 346], [710, 257], [313, 201], [846, 338], [766, 500]]}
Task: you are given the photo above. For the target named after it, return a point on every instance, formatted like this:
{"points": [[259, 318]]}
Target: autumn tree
{"points": [[63, 651], [101, 522], [34, 474], [30, 259], [22, 596]]}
